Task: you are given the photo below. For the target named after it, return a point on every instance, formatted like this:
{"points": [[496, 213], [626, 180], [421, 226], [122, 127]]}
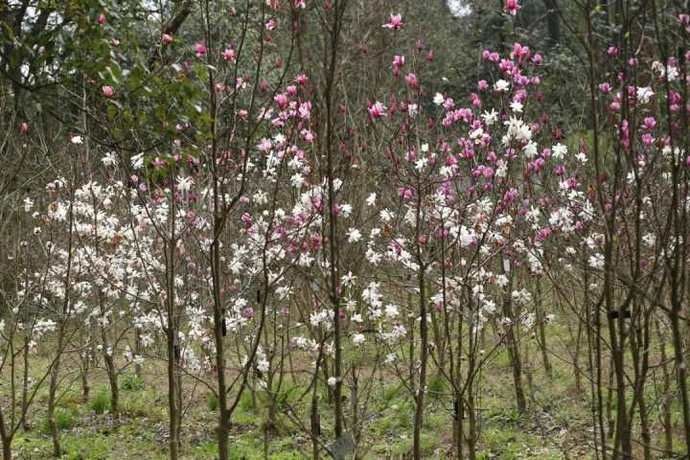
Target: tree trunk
{"points": [[667, 419], [112, 380], [52, 392], [681, 373], [25, 385], [423, 356], [553, 22], [173, 410], [511, 342], [6, 449]]}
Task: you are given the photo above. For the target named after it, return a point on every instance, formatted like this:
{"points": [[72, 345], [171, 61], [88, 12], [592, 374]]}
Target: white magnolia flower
{"points": [[353, 235], [530, 149], [184, 184], [109, 159], [490, 117], [644, 94], [516, 106], [501, 86], [137, 161], [559, 151], [358, 339], [28, 204], [297, 180], [596, 261], [391, 311]]}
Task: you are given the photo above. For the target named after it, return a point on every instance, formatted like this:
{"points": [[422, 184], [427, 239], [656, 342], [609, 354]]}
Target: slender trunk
{"points": [[6, 448], [553, 22], [315, 421], [576, 359], [25, 385], [223, 427], [334, 277], [681, 372], [458, 427], [5, 438], [473, 434], [541, 325], [666, 401], [112, 380], [622, 443], [645, 431], [511, 343], [173, 409], [137, 352], [423, 356], [85, 389], [52, 393]]}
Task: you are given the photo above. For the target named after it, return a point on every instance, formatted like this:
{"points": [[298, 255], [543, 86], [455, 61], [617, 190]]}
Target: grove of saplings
{"points": [[291, 222]]}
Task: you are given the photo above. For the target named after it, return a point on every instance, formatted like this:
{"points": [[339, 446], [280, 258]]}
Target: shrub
{"points": [[212, 402], [101, 401], [131, 382]]}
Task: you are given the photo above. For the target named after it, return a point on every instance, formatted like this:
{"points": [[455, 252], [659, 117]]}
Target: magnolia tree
{"points": [[468, 221], [233, 217]]}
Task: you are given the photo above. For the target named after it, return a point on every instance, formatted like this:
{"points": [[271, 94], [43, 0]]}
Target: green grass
{"points": [[100, 403], [557, 423]]}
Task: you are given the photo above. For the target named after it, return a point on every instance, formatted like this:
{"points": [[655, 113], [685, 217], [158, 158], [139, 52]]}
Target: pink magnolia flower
{"points": [[200, 49], [510, 195], [107, 91], [605, 88], [230, 55], [649, 123], [511, 7], [377, 110], [23, 127], [491, 56], [406, 193], [412, 81], [102, 19], [398, 62], [247, 220], [158, 163], [648, 139], [544, 233], [520, 52], [282, 100], [271, 24], [395, 22], [166, 39], [301, 79]]}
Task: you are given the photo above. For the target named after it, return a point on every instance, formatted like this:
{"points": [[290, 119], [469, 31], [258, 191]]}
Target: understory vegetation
{"points": [[348, 229]]}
